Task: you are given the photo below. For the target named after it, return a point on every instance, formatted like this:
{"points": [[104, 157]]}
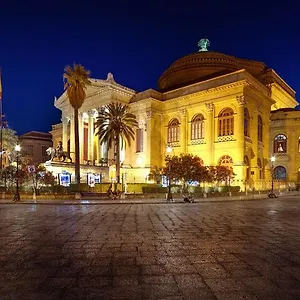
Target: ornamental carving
{"points": [[209, 106], [197, 142], [92, 113], [65, 120], [225, 138], [183, 112], [149, 113], [141, 123], [241, 100], [174, 144]]}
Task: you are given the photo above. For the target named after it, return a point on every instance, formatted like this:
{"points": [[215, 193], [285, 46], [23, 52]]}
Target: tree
{"points": [[9, 139], [221, 174], [155, 174], [39, 177], [76, 81], [115, 125], [185, 167]]}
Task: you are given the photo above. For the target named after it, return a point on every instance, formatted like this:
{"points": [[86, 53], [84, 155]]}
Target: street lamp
{"points": [[17, 194], [273, 158], [168, 159]]}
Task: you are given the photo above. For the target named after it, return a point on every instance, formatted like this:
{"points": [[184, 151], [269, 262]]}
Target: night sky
{"points": [[136, 41]]}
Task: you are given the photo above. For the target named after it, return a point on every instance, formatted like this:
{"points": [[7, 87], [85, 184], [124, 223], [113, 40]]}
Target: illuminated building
{"points": [[207, 103]]}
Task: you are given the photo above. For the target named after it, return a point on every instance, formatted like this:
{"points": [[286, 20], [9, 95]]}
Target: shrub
{"points": [[154, 189]]}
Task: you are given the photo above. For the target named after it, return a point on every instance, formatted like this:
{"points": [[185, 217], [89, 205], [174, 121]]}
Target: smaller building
{"points": [[34, 145], [285, 145]]}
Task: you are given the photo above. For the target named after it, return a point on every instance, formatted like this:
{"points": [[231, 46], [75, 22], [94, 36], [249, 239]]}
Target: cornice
{"points": [[282, 92], [149, 103], [150, 93], [102, 86], [211, 91]]}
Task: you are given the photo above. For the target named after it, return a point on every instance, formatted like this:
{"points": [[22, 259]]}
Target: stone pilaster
{"points": [[80, 131], [65, 122], [149, 119], [240, 139], [91, 115], [254, 140], [183, 131], [72, 137], [209, 133]]}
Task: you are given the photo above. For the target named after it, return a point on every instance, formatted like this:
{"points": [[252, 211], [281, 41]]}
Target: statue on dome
{"points": [[203, 44]]}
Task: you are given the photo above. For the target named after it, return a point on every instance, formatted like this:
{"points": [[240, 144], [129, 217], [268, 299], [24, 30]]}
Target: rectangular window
{"points": [[139, 140]]}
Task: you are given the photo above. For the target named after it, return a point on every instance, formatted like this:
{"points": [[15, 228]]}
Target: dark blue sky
{"points": [[136, 41]]}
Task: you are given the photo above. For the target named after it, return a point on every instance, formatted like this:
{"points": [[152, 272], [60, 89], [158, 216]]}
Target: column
{"points": [[240, 139], [183, 129], [91, 114], [80, 131], [149, 117], [254, 140], [65, 121], [209, 134], [72, 137]]}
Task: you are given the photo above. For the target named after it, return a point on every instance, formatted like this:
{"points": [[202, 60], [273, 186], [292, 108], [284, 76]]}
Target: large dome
{"points": [[204, 65]]}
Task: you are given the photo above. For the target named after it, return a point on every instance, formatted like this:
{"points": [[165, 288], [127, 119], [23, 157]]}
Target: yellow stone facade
{"points": [[209, 104]]}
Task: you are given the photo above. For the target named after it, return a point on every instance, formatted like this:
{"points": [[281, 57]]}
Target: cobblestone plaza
{"points": [[214, 250]]}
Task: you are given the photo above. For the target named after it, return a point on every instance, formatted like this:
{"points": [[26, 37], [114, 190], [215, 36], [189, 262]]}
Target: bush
{"points": [[232, 189], [154, 189]]}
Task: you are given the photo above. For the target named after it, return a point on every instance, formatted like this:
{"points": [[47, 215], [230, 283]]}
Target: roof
{"points": [[287, 109], [36, 135], [201, 66]]}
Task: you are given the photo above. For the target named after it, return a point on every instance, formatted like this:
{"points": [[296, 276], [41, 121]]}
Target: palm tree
{"points": [[76, 81], [115, 125]]}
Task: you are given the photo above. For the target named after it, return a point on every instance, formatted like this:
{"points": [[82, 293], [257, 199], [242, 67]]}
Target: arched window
{"points": [[226, 122], [280, 143], [246, 123], [260, 170], [280, 173], [226, 161], [173, 131], [197, 127], [259, 129], [247, 165]]}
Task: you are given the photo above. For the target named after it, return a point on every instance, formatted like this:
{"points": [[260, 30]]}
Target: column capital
{"points": [[149, 113], [241, 100], [182, 112], [65, 120], [92, 113], [209, 106]]}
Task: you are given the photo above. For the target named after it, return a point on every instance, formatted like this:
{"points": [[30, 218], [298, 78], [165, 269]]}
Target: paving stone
{"points": [[209, 250]]}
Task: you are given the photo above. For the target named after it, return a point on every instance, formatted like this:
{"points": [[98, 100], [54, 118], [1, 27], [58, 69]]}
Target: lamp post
{"points": [[17, 194], [273, 158], [168, 159]]}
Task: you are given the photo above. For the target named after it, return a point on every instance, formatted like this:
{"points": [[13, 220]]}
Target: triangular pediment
{"points": [[98, 86]]}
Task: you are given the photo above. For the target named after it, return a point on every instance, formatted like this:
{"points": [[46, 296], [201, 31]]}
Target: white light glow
{"points": [[169, 149]]}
